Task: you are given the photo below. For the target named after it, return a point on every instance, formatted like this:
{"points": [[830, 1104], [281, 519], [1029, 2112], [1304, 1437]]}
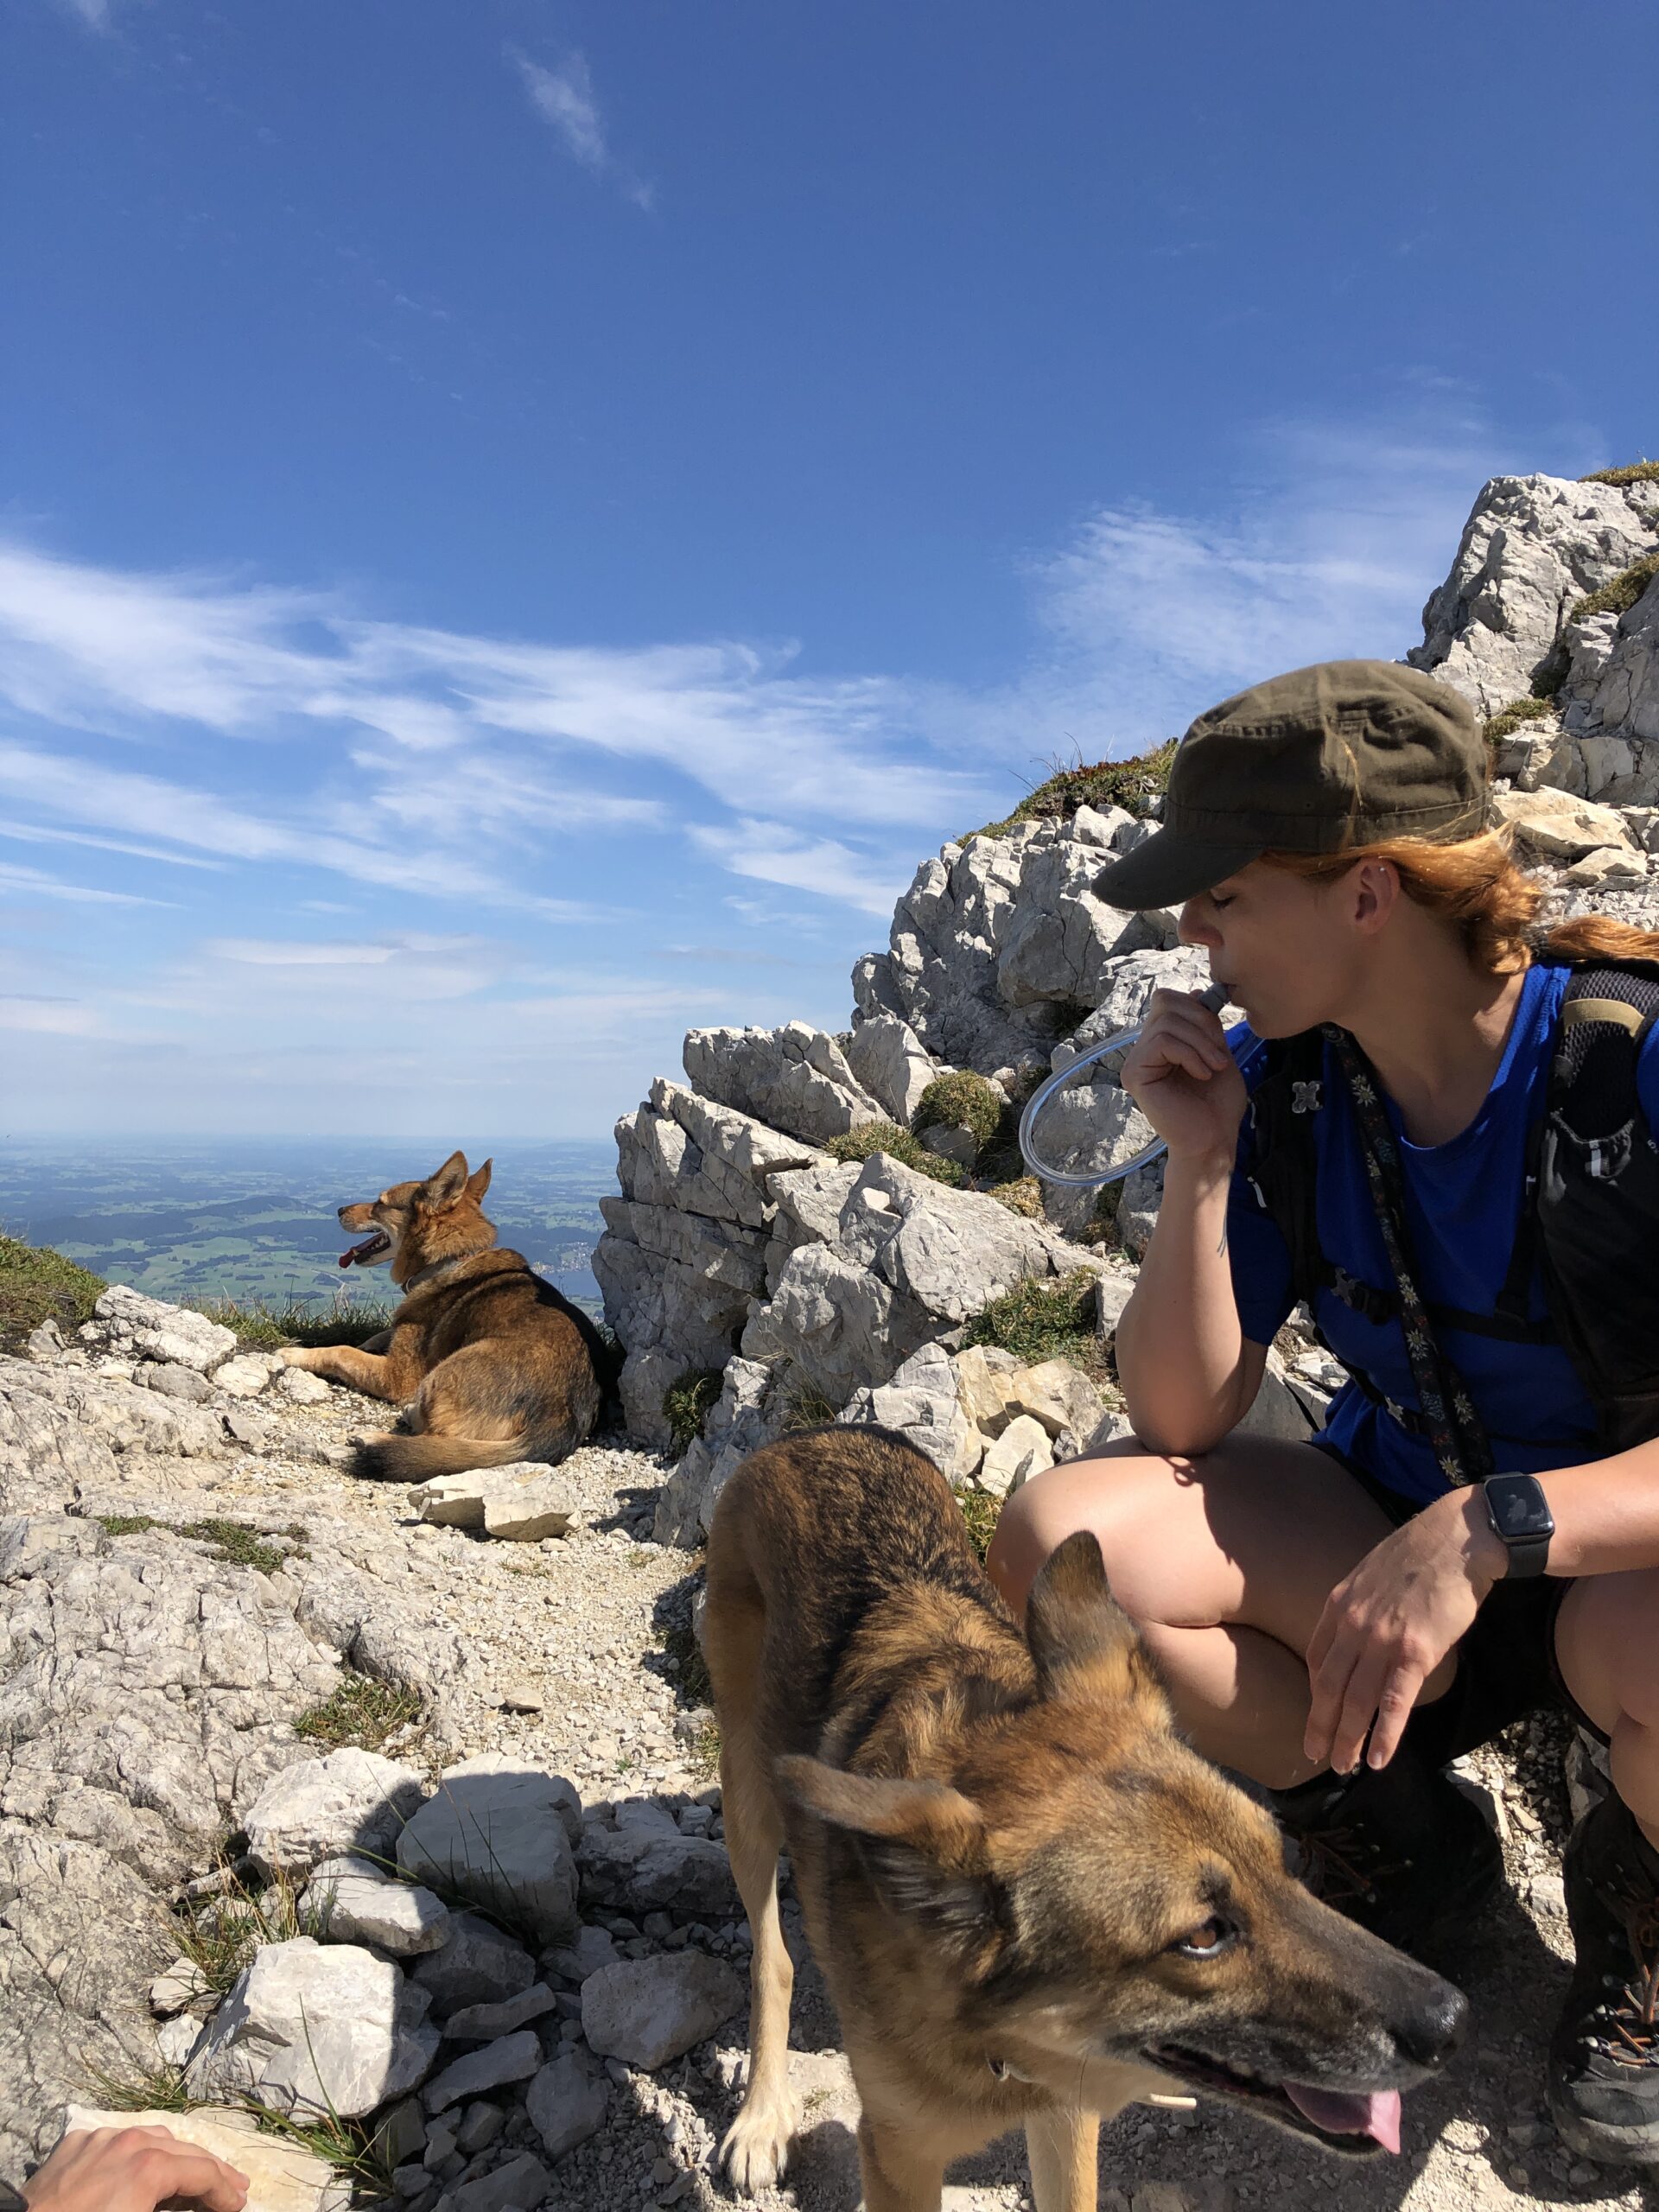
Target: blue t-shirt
{"points": [[1462, 1205]]}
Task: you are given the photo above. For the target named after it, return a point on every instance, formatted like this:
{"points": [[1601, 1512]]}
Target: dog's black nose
{"points": [[1433, 2027]]}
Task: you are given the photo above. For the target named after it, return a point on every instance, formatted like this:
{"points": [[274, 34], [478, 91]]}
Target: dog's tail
{"points": [[418, 1459]]}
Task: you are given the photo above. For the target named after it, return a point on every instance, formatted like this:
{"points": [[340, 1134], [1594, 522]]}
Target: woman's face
{"points": [[1288, 949]]}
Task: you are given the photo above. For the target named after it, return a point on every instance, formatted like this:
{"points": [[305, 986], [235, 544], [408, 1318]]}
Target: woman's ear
{"points": [[1374, 892]]}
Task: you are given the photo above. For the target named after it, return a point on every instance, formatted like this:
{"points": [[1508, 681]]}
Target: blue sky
{"points": [[524, 523]]}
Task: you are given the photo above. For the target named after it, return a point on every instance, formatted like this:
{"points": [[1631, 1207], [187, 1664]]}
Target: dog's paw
{"points": [[295, 1356], [756, 2149]]}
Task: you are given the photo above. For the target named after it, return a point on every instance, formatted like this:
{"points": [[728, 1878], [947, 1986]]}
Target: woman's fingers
{"points": [[1394, 1708]]}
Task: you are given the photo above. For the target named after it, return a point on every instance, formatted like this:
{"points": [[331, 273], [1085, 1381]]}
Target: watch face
{"points": [[1517, 1506]]}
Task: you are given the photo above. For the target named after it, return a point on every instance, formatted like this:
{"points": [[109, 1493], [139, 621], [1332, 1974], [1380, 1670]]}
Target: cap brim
{"points": [[1166, 868]]}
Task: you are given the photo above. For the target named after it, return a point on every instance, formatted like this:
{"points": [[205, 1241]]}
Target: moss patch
{"points": [[233, 1541], [362, 1712], [979, 1511], [1639, 472], [1129, 784], [1620, 594], [1038, 1320], [871, 1137], [689, 1400], [37, 1284], [961, 1100], [1519, 712]]}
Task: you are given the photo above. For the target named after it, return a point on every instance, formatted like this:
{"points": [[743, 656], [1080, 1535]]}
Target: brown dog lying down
{"points": [[499, 1367], [1032, 1903]]}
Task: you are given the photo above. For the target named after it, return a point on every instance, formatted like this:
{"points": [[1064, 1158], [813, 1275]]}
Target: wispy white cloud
{"points": [[95, 13], [564, 98], [772, 854], [16, 881]]}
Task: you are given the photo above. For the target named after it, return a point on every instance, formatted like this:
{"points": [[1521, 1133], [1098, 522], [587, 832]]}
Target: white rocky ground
{"points": [[147, 1694]]}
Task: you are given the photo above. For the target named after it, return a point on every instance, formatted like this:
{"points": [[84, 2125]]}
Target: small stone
{"points": [[567, 2103], [409, 2179], [649, 2012], [1547, 1893], [494, 1832], [440, 2147], [179, 1987], [401, 2134], [242, 1377], [483, 2023], [509, 2058], [516, 2187], [324, 1808], [521, 1697], [524, 1507], [477, 1966], [301, 1386], [354, 1901], [176, 2038], [479, 2126], [1023, 1450], [45, 1343], [176, 1381]]}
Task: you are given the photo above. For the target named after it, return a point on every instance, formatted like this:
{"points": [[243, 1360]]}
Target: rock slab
{"points": [[281, 2176], [650, 2012]]}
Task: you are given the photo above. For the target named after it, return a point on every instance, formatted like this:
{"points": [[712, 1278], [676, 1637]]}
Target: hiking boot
{"points": [[1603, 2057], [1399, 1848]]}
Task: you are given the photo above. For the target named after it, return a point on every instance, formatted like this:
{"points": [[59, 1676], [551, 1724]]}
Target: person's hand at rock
{"points": [[133, 2169]]}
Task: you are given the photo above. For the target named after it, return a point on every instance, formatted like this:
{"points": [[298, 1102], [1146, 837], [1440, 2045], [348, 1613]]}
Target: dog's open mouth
{"points": [[1354, 2121], [371, 1249]]}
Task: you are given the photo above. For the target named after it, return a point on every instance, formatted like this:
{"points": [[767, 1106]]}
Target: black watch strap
{"points": [[1520, 1515]]}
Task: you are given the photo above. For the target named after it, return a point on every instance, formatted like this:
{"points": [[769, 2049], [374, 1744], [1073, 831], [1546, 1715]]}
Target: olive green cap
{"points": [[1346, 752]]}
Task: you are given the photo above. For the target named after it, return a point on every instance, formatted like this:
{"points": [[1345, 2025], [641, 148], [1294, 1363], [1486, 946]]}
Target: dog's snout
{"points": [[1432, 2029]]}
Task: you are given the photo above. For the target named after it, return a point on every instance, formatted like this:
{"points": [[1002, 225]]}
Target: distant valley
{"points": [[254, 1220]]}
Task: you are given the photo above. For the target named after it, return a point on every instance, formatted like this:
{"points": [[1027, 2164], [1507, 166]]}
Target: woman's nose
{"points": [[1192, 930]]}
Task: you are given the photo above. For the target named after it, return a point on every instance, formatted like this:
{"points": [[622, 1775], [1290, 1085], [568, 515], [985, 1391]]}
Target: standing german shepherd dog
{"points": [[1032, 1903], [499, 1367]]}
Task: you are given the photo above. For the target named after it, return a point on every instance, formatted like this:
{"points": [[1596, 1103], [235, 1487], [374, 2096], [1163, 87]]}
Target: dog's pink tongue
{"points": [[355, 1252], [1375, 2114]]}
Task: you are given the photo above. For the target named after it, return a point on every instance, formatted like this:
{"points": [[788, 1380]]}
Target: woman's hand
{"points": [[132, 2169], [1181, 1074], [1387, 1626]]}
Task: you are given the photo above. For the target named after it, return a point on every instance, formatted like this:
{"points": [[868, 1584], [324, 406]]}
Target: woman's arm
{"points": [[1188, 1373]]}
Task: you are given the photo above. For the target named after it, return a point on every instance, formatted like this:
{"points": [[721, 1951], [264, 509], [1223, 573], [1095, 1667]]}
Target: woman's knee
{"points": [[1098, 1494]]}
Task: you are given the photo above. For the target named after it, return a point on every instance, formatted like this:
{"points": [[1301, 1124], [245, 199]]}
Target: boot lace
{"points": [[1633, 2021], [1331, 1863]]}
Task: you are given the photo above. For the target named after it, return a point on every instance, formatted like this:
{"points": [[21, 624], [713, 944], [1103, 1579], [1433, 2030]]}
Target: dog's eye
{"points": [[1208, 1941]]}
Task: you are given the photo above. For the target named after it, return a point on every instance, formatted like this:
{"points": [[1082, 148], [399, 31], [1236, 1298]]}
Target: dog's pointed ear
{"points": [[922, 1842], [478, 1181], [444, 1190], [1083, 1643]]}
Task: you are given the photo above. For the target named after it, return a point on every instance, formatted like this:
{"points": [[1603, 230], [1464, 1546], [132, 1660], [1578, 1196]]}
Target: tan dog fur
{"points": [[1002, 1848], [494, 1363]]}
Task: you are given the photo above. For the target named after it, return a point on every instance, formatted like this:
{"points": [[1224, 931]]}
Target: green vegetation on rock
{"points": [[1129, 784], [870, 1137], [1620, 594], [232, 1542], [1505, 722], [979, 1510], [261, 1327], [1639, 472], [362, 1713], [37, 1284], [688, 1401], [961, 1100], [1021, 1194], [1038, 1320]]}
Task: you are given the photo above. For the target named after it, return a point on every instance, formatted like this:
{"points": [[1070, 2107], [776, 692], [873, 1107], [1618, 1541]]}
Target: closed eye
{"points": [[1207, 1941]]}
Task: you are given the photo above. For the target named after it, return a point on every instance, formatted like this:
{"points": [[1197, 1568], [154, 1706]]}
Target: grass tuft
{"points": [[37, 1284], [362, 1713], [979, 1511], [1639, 472], [1023, 1195], [233, 1542], [261, 1327], [870, 1137], [219, 1935], [1129, 784], [1038, 1320], [689, 1400], [139, 2086], [961, 1100], [1519, 712], [1620, 594], [806, 1407]]}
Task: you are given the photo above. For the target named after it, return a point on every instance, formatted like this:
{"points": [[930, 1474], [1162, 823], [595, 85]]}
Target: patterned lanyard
{"points": [[1459, 1441]]}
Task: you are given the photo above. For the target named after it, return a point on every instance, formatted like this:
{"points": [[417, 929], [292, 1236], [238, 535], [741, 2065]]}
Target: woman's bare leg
{"points": [[1224, 1562]]}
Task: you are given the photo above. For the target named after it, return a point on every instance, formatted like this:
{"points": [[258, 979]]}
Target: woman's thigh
{"points": [[1255, 1532]]}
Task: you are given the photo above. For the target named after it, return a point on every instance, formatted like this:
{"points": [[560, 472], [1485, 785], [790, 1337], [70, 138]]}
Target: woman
{"points": [[1338, 1619]]}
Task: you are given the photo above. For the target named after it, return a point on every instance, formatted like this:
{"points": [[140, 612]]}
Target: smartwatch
{"points": [[1520, 1515]]}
